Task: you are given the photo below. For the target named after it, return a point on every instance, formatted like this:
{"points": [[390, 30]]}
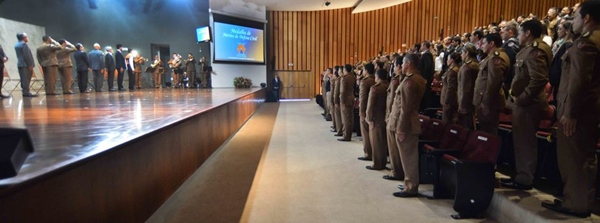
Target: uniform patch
{"points": [[497, 61], [408, 84], [580, 45], [511, 44], [535, 53], [373, 89], [395, 82]]}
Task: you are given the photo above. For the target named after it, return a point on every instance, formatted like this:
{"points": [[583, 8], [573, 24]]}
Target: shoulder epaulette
{"points": [[535, 44], [586, 34], [496, 53]]}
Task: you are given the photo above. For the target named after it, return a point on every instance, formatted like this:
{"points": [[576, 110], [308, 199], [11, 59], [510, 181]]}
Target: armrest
{"points": [[442, 152], [430, 145]]}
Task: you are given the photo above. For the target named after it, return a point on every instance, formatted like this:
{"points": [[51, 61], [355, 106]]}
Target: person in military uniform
{"points": [[363, 96], [65, 65], [511, 47], [46, 55], [3, 59], [489, 97], [375, 117], [578, 109], [397, 172], [347, 102], [466, 86], [449, 94], [528, 100], [404, 122], [336, 103]]}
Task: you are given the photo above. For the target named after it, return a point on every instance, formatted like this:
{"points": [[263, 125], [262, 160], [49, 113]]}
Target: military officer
{"points": [[528, 100], [404, 122], [336, 103], [578, 108], [466, 85], [397, 172], [375, 117], [46, 55], [347, 102], [489, 97], [65, 65], [363, 96], [449, 97]]}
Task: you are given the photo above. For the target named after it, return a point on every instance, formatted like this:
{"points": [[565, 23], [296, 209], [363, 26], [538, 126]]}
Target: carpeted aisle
{"points": [[306, 175]]}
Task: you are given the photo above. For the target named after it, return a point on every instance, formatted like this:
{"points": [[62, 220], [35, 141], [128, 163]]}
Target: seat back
{"points": [[454, 137], [481, 146], [437, 129], [425, 125]]}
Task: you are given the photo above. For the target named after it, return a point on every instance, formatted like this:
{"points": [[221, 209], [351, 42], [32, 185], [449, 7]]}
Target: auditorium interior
{"points": [[224, 111]]}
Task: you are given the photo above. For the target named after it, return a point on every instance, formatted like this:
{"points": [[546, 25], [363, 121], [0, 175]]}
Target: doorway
{"points": [[164, 52]]}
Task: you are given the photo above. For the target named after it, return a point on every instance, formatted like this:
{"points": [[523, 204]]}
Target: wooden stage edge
{"points": [[129, 182]]}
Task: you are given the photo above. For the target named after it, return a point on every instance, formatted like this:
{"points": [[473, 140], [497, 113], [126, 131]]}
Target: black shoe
{"points": [[333, 130], [338, 134], [68, 92], [405, 194], [4, 96], [121, 89], [112, 90], [557, 206], [328, 119], [514, 185], [364, 158], [30, 95], [390, 177], [373, 168], [344, 140]]}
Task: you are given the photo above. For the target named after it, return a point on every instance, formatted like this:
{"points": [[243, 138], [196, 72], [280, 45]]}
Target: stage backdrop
{"points": [[8, 39], [313, 41]]}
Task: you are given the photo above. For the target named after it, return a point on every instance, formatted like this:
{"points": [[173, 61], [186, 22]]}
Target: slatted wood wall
{"points": [[318, 39]]}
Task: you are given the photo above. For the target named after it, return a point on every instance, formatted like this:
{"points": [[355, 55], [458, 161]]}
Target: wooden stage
{"points": [[115, 156]]}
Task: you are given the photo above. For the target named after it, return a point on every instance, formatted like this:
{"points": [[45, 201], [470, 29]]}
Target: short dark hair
{"points": [[494, 37], [533, 26], [382, 74], [592, 8], [370, 68], [417, 45], [427, 44], [456, 39], [478, 33], [21, 36], [348, 68], [61, 41], [119, 45], [78, 46], [471, 50], [412, 59], [380, 64], [567, 25], [45, 38], [456, 57]]}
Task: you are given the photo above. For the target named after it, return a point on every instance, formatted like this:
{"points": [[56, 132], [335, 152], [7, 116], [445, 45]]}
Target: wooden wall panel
{"points": [[315, 40]]}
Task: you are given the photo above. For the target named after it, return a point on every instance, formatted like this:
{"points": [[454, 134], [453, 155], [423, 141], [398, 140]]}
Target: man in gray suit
{"points": [[65, 65], [46, 55], [109, 60], [25, 63], [96, 58]]}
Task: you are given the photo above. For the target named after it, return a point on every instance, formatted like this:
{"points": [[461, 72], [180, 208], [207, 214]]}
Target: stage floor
{"points": [[66, 129]]}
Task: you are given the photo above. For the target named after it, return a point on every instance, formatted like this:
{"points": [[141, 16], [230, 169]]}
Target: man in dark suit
{"points": [[25, 63], [110, 68], [426, 69], [120, 66], [96, 59], [83, 66], [3, 59], [276, 86]]}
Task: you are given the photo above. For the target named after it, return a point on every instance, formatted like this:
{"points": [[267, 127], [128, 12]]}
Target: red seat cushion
{"points": [[482, 147], [449, 157]]}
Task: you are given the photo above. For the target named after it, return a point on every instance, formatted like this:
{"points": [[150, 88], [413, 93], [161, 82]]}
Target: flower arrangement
{"points": [[242, 82]]}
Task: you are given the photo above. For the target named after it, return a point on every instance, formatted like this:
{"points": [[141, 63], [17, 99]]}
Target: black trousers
{"points": [[131, 77], [110, 78], [119, 79], [82, 80]]}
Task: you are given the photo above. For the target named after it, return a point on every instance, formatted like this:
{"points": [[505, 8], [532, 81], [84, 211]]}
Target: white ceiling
{"points": [[314, 5]]}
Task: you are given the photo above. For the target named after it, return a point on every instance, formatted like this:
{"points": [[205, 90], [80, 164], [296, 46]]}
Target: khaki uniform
{"points": [[528, 100], [405, 118], [397, 170], [65, 67], [375, 113], [324, 95], [46, 55], [337, 109], [363, 96], [137, 70], [488, 89], [466, 86], [449, 95], [579, 98], [552, 27], [347, 104]]}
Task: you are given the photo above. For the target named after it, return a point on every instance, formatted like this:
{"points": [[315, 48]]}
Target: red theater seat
{"points": [[452, 141]]}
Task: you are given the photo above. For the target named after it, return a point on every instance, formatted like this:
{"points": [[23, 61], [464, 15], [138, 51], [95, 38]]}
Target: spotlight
{"points": [[327, 3]]}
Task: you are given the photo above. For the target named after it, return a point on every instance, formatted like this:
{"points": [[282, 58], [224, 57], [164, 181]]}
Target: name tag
{"points": [[453, 131], [436, 123], [485, 139], [420, 120]]}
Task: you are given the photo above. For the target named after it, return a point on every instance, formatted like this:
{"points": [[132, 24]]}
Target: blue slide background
{"points": [[238, 43]]}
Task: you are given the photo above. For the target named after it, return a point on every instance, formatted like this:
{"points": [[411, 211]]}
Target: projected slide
{"points": [[238, 43]]}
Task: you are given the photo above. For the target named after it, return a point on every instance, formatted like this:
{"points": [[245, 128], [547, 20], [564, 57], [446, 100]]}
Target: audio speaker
{"points": [[15, 146]]}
